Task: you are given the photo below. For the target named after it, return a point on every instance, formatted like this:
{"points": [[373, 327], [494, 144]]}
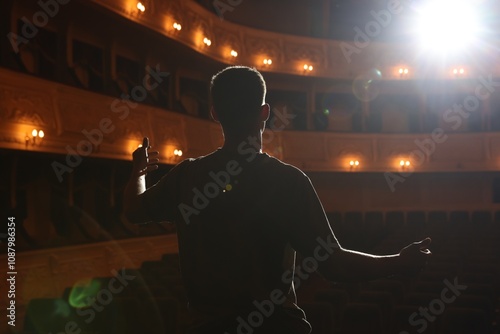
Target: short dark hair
{"points": [[237, 94]]}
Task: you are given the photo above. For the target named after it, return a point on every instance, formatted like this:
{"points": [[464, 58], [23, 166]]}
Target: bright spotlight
{"points": [[447, 25]]}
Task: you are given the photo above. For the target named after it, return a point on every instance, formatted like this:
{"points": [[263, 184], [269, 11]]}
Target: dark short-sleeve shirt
{"points": [[240, 217]]}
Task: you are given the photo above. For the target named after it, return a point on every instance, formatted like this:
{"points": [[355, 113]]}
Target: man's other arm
{"points": [[310, 230], [143, 162], [350, 265]]}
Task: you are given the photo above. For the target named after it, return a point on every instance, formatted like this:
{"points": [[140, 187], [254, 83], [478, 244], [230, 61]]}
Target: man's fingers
{"points": [[426, 251], [151, 168], [424, 243], [145, 142]]}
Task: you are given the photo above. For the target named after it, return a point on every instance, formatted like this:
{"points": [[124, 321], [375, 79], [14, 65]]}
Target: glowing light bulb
{"points": [[141, 7]]}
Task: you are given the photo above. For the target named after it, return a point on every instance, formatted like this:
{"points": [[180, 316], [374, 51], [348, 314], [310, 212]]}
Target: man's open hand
{"points": [[144, 161], [414, 256]]}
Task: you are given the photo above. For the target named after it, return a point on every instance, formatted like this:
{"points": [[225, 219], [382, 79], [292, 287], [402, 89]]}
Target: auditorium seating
{"points": [[155, 300], [466, 247]]}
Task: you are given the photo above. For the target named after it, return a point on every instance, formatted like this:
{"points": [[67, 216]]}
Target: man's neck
{"points": [[251, 142]]}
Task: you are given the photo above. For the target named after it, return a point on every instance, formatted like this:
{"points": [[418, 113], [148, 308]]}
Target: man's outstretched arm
{"points": [[349, 265], [309, 231], [143, 162]]}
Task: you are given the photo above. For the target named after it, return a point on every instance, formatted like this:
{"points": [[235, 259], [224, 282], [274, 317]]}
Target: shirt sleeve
{"points": [[308, 226], [161, 201]]}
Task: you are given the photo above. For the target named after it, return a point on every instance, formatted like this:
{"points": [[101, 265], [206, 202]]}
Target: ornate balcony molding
{"points": [[76, 121], [330, 58]]}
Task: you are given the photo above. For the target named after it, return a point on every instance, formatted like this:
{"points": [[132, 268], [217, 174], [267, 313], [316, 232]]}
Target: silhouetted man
{"points": [[240, 217]]}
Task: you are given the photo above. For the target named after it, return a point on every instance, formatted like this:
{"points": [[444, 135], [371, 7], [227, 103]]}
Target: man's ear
{"points": [[213, 114], [265, 111]]}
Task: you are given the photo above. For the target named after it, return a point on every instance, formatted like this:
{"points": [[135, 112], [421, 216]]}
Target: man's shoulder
{"points": [[264, 162], [284, 168]]}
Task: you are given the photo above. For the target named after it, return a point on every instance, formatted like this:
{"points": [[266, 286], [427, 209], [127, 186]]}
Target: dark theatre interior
{"points": [[391, 108]]}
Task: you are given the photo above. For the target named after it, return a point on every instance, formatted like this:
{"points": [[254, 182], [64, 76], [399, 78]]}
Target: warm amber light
{"points": [[234, 53], [35, 133], [356, 163], [404, 163], [177, 26], [141, 7], [406, 71], [400, 71], [462, 71], [178, 153], [268, 61], [207, 41]]}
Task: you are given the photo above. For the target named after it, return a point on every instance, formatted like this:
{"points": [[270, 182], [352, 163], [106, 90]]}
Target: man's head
{"points": [[238, 99]]}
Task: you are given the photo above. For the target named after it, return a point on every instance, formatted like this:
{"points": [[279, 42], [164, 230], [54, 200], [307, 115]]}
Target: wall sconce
{"points": [[403, 72], [404, 164], [234, 53], [207, 41], [308, 68], [177, 26], [141, 7], [458, 71], [36, 137], [177, 153], [353, 164], [268, 61]]}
